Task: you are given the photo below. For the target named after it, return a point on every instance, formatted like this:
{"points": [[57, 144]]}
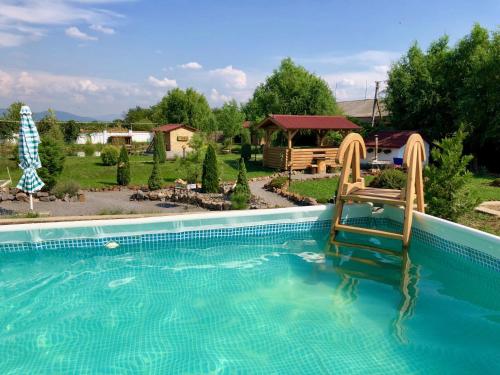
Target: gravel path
{"points": [[99, 203], [272, 199]]}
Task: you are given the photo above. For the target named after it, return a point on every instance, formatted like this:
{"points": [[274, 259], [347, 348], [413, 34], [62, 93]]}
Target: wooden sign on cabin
{"points": [[182, 138]]}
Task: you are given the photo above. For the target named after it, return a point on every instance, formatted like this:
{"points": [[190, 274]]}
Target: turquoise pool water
{"points": [[256, 304]]}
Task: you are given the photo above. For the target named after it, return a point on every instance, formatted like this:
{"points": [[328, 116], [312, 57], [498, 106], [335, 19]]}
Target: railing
{"points": [[301, 158]]}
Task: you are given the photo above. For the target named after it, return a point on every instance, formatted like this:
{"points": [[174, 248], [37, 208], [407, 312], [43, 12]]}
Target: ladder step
{"points": [[367, 247], [374, 232], [362, 198]]}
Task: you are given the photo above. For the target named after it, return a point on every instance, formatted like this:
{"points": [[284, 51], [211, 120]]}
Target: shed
{"points": [[176, 137], [315, 156], [389, 146]]}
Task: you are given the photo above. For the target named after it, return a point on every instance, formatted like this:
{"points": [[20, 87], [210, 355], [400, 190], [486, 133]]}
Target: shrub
{"points": [[159, 152], [89, 149], [66, 187], [239, 201], [210, 172], [109, 155], [52, 157], [246, 151], [278, 182], [154, 182], [123, 168], [242, 186], [389, 179], [446, 190]]}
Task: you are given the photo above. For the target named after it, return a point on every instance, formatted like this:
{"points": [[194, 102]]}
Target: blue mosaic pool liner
{"points": [[462, 251]]}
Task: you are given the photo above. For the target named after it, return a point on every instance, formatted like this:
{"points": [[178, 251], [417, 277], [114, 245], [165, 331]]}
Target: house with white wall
{"points": [[109, 136], [389, 146]]}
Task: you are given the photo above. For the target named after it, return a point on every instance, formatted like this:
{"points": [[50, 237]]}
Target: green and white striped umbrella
{"points": [[28, 153]]}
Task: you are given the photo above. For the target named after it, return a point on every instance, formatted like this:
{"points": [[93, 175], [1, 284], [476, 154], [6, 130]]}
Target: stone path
{"points": [[489, 207]]}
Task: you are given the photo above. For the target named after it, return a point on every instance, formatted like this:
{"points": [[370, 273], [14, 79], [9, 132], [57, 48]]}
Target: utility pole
{"points": [[375, 102]]}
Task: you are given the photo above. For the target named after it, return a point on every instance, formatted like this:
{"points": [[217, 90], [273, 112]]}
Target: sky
{"points": [[100, 57]]}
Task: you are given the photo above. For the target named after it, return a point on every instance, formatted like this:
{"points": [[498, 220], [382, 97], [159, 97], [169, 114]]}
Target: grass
{"points": [[90, 173], [323, 190]]}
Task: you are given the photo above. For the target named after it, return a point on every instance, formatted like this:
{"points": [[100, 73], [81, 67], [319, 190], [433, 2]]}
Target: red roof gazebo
{"points": [[317, 156]]}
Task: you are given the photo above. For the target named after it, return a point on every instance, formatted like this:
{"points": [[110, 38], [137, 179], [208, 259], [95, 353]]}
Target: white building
{"points": [[389, 146], [109, 136]]}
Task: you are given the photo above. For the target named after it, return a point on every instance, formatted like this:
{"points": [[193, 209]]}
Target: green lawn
{"points": [[90, 173], [323, 190]]}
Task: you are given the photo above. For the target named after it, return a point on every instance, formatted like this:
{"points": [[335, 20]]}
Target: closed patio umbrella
{"points": [[28, 155]]}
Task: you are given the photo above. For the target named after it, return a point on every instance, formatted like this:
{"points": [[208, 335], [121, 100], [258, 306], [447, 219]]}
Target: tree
{"points": [[183, 107], [49, 126], [52, 157], [447, 192], [191, 164], [437, 90], [210, 173], [70, 130], [241, 195], [11, 119], [123, 168], [154, 182], [230, 120], [137, 115], [242, 186], [159, 152], [291, 90]]}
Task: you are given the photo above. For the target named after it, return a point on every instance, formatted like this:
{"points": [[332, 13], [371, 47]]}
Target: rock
{"points": [[153, 196], [22, 197], [42, 194], [44, 199], [140, 195], [52, 198], [66, 198], [81, 197], [309, 201]]}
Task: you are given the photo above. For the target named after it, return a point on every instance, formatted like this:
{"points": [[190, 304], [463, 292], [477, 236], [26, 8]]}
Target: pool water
{"points": [[261, 305]]}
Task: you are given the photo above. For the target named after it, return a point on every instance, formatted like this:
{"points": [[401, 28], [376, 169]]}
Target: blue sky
{"points": [[95, 57]]}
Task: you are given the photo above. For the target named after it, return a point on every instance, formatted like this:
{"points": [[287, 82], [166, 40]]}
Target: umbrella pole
{"points": [[31, 202]]}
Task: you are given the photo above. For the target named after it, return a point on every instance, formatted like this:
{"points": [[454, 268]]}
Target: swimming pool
{"points": [[247, 293]]}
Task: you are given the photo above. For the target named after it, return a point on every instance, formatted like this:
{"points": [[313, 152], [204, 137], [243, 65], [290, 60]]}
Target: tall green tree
{"points": [[210, 173], [292, 90], [123, 168], [137, 115], [159, 151], [242, 186], [187, 107], [155, 182], [9, 122], [230, 120], [70, 130], [49, 126], [436, 90]]}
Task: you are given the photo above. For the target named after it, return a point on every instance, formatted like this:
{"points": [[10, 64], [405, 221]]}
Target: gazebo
{"points": [[316, 157]]}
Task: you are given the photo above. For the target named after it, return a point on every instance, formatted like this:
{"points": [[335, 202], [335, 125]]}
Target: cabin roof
{"points": [[299, 122]]}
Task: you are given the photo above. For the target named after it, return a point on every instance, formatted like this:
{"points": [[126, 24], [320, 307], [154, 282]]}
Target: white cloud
{"points": [[191, 65], [164, 83], [74, 32], [21, 21], [218, 98], [103, 29], [233, 78]]}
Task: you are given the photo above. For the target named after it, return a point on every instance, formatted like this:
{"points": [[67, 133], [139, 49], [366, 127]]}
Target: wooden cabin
{"points": [[176, 138], [315, 156]]}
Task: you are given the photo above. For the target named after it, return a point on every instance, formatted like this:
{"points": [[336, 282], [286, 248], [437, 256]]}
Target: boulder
{"points": [[42, 194], [52, 198], [140, 195], [81, 197], [22, 197], [44, 199]]}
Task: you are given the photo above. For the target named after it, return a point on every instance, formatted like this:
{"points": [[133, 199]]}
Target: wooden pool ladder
{"points": [[352, 186]]}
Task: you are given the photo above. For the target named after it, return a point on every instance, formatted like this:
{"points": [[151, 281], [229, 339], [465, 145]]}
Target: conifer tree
{"points": [[159, 148], [242, 186], [154, 182], [210, 173], [123, 168]]}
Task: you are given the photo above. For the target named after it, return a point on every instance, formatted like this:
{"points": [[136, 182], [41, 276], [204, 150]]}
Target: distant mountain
{"points": [[63, 116], [66, 116]]}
